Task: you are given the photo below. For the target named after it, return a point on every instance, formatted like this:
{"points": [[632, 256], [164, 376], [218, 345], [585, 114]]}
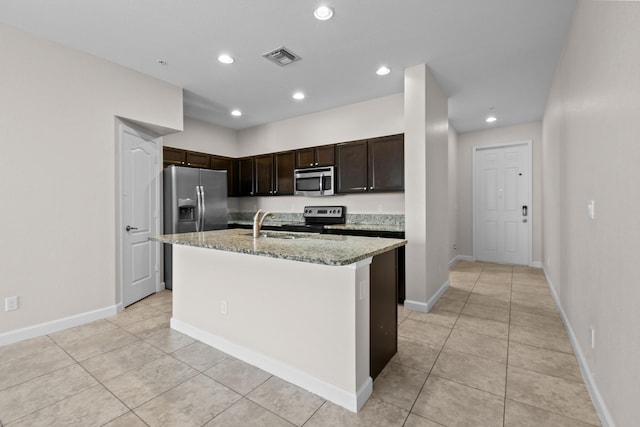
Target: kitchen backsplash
{"points": [[288, 217]]}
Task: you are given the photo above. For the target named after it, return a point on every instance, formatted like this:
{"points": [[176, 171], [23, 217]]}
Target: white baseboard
{"points": [[351, 401], [416, 306], [598, 402], [460, 258], [536, 264], [426, 307], [57, 325]]}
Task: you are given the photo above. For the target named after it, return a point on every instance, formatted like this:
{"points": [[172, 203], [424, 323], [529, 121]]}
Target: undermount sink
{"points": [[280, 235]]}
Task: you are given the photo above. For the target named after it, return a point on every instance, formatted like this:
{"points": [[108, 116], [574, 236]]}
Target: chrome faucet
{"points": [[257, 222]]}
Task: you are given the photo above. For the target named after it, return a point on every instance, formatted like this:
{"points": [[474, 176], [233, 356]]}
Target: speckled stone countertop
{"points": [[365, 227], [305, 247], [360, 222]]}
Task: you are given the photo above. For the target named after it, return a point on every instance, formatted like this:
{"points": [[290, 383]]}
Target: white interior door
{"points": [[502, 204], [140, 215]]}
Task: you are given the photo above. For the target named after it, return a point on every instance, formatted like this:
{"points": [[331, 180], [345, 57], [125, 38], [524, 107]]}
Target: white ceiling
{"points": [[484, 53]]}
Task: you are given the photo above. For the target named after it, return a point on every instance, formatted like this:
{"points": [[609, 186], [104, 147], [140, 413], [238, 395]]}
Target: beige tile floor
{"points": [[493, 352]]}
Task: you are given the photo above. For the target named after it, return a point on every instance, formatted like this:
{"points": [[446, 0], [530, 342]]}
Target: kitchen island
{"points": [[293, 304]]}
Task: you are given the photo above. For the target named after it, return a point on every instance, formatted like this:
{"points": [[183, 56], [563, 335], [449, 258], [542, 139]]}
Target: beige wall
{"points": [[452, 157], [591, 151], [426, 190], [205, 137], [500, 135], [58, 178]]}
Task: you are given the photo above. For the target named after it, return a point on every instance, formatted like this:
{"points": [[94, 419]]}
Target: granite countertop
{"points": [[347, 226], [306, 247], [366, 227]]}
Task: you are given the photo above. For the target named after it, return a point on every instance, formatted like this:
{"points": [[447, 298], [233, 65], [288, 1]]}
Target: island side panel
{"points": [[307, 318]]}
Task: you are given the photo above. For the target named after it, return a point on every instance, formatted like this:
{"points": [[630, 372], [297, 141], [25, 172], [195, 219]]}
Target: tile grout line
{"points": [[440, 351], [506, 367]]}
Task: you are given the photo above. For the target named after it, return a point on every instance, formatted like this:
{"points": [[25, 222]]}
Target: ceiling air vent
{"points": [[281, 56]]}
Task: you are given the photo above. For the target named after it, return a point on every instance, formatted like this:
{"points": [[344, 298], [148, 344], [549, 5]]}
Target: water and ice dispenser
{"points": [[186, 210]]}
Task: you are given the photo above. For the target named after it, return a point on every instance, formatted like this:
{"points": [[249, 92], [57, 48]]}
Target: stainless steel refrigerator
{"points": [[194, 200]]}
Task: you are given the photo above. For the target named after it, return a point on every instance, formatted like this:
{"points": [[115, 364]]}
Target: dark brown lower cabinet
{"points": [[383, 311]]}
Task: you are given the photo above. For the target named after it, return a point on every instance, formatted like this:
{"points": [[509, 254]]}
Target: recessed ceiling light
{"points": [[298, 95], [383, 71], [236, 113], [225, 59], [491, 119], [323, 13]]}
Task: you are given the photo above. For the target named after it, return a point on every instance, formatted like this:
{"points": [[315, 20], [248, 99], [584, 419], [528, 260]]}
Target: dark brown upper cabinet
{"points": [[226, 164], [375, 164], [323, 155], [283, 168], [386, 163], [274, 174], [197, 160], [173, 156], [179, 157], [264, 175], [245, 176], [352, 167]]}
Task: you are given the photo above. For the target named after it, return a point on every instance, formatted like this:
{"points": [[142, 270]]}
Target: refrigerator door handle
{"points": [[198, 208], [203, 209]]}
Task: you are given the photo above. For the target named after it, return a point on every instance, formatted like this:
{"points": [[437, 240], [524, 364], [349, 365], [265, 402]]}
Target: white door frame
{"points": [[121, 127], [476, 227]]}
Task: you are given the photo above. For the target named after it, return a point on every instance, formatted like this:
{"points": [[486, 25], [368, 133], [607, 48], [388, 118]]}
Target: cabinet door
{"points": [[245, 176], [264, 175], [197, 160], [233, 178], [284, 165], [225, 164], [383, 311], [173, 156], [305, 158], [386, 163], [325, 155], [352, 167]]}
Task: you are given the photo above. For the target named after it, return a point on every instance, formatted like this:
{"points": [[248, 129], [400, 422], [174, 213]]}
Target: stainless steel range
{"points": [[316, 217]]}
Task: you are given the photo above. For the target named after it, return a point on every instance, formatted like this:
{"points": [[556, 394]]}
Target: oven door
{"points": [[314, 182]]}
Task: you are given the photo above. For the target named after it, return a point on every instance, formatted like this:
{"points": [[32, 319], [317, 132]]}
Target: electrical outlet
{"points": [[593, 337], [10, 303], [363, 289], [591, 209], [224, 308]]}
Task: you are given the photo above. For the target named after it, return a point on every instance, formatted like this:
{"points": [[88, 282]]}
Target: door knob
{"points": [[129, 228]]}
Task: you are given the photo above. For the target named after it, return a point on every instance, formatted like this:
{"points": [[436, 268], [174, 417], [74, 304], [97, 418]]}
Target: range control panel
{"points": [[335, 214]]}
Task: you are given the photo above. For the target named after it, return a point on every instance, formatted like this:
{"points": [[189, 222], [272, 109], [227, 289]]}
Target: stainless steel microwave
{"points": [[314, 181]]}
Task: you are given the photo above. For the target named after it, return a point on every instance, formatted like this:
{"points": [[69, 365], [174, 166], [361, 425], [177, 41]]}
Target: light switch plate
{"points": [[11, 303], [591, 209]]}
